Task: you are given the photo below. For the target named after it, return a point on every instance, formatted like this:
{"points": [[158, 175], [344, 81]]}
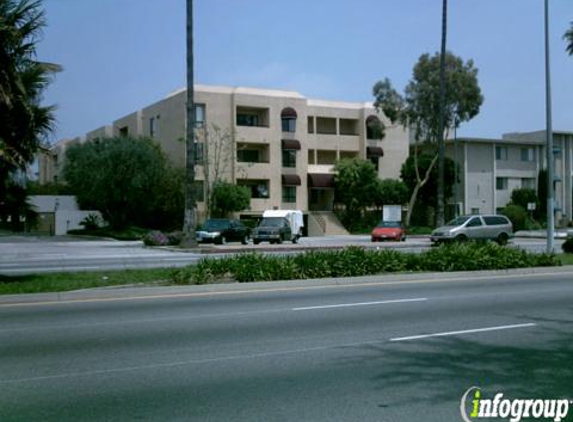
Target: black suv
{"points": [[223, 230], [273, 230]]}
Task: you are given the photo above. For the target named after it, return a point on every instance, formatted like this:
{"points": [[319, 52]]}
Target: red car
{"points": [[388, 230]]}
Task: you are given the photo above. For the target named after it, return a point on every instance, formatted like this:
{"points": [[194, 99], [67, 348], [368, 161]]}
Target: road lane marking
{"points": [[455, 333], [349, 305]]}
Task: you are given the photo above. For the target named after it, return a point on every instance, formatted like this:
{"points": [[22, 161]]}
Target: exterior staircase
{"points": [[325, 223]]}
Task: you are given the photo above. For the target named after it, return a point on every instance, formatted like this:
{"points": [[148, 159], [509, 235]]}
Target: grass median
{"points": [[249, 267]]}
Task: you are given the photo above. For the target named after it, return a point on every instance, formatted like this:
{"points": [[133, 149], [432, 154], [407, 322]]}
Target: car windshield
{"points": [[272, 222], [458, 221], [389, 224], [211, 225]]}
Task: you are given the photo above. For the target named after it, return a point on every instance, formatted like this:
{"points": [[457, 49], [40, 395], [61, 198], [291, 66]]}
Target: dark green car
{"points": [[223, 230]]}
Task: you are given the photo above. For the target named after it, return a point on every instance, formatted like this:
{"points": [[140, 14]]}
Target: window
{"points": [[289, 194], [199, 152], [375, 160], [288, 120], [250, 116], [124, 132], [326, 125], [199, 191], [495, 220], [527, 154], [475, 211], [199, 115], [501, 153], [289, 158], [374, 128], [153, 125], [310, 122], [474, 222], [259, 188], [248, 156], [501, 183], [528, 182]]}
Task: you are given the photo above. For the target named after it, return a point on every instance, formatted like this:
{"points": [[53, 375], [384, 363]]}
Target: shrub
{"points": [[356, 261], [568, 245], [91, 222], [155, 238], [517, 215]]}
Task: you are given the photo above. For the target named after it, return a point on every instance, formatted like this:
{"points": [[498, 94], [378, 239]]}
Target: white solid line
{"points": [[348, 305], [454, 333]]}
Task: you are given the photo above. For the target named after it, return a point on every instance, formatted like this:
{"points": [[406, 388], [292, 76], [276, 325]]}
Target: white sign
{"points": [[392, 213], [531, 206]]}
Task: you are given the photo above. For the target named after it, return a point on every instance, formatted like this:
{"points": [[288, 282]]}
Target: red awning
{"points": [[290, 144], [374, 152], [320, 180], [291, 180]]}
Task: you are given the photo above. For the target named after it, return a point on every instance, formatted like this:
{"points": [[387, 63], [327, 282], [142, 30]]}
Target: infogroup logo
{"points": [[513, 409]]}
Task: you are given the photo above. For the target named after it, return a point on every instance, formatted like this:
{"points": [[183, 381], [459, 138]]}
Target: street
{"points": [[28, 255], [373, 351]]}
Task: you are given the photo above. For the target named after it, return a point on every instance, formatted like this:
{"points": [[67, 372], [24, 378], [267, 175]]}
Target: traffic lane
{"points": [[384, 381], [264, 297], [123, 338]]}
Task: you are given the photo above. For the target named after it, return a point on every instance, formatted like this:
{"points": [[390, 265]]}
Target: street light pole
{"points": [[550, 166]]}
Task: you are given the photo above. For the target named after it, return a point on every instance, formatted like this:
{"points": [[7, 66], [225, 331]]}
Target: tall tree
{"points": [[419, 108], [190, 220], [569, 38], [24, 122]]}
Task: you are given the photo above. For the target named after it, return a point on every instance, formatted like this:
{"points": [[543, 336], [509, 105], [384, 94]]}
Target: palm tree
{"points": [[24, 122], [190, 219], [569, 38]]}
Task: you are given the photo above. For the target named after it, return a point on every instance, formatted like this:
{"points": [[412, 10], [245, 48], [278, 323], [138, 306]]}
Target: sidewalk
{"points": [[123, 293], [542, 234]]}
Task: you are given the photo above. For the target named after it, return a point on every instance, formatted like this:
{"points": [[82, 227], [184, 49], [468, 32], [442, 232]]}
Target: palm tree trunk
{"points": [[190, 220]]}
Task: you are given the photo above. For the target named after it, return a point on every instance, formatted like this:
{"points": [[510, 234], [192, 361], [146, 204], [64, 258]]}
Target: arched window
{"points": [[288, 119], [374, 128]]}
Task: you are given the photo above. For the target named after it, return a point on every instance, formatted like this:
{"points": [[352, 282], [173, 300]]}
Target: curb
{"points": [[142, 293]]}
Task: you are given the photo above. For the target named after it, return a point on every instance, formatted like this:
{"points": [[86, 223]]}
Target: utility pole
{"points": [[440, 210], [190, 219], [549, 147]]}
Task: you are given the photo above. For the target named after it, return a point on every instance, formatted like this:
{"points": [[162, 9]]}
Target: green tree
{"points": [[356, 185], [391, 192], [569, 38], [523, 197], [419, 108], [24, 122], [426, 194], [227, 198], [121, 177]]}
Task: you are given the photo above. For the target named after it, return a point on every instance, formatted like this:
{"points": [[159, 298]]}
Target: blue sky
{"points": [[121, 55]]}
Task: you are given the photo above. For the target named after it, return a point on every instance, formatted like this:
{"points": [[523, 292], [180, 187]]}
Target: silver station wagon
{"points": [[475, 227]]}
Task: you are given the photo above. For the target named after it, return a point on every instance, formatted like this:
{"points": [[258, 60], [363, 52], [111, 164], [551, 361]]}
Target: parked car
{"points": [[485, 227], [388, 230], [273, 230], [223, 230]]}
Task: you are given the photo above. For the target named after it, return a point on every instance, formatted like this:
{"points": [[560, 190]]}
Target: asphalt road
{"points": [[29, 255], [399, 351]]}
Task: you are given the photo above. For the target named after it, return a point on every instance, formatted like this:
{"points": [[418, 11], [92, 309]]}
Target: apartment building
{"points": [[490, 169], [279, 144]]}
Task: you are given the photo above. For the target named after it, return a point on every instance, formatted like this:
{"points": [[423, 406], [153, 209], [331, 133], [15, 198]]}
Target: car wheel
{"points": [[461, 238], [256, 242], [403, 239], [373, 239], [295, 239], [502, 239]]}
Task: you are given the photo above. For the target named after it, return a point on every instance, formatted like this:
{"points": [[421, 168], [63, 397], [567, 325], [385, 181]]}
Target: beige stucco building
{"points": [[280, 144]]}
